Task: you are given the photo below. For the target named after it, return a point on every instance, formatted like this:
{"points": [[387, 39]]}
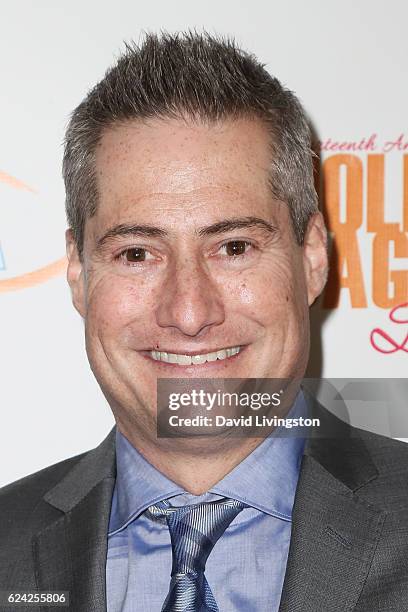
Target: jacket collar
{"points": [[339, 448], [95, 465]]}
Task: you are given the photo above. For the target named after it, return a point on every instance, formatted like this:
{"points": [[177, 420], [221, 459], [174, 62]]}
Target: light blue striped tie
{"points": [[193, 530]]}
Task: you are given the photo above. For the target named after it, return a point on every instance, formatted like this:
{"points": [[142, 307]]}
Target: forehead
{"points": [[172, 163]]}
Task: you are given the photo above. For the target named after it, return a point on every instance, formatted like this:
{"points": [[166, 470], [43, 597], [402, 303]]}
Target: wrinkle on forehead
{"points": [[185, 157]]}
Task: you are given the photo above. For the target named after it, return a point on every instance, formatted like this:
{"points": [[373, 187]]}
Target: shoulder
{"points": [[38, 502], [23, 513], [385, 483], [343, 443], [21, 498], [373, 466], [71, 479], [387, 452], [391, 460]]}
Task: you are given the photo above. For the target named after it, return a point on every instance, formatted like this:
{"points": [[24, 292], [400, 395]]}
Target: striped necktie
{"points": [[194, 530]]}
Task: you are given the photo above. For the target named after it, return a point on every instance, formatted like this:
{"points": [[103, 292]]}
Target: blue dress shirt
{"points": [[246, 568]]}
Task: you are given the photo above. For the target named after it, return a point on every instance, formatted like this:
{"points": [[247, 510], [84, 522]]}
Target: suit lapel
{"points": [[70, 553], [334, 532]]}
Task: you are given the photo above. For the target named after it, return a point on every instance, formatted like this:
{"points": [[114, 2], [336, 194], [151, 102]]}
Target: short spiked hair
{"points": [[204, 77]]}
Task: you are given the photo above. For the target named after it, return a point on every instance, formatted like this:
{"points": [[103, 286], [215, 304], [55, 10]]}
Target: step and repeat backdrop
{"points": [[347, 61]]}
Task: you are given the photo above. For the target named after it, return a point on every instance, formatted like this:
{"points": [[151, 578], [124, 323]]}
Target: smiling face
{"points": [[190, 267]]}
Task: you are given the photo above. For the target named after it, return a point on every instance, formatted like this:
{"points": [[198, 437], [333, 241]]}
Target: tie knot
{"points": [[194, 530]]}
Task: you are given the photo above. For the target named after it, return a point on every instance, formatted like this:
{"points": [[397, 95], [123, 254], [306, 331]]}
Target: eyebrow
{"points": [[236, 223], [126, 230], [221, 227]]}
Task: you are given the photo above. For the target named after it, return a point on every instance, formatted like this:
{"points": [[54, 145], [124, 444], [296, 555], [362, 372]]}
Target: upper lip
{"points": [[196, 352]]}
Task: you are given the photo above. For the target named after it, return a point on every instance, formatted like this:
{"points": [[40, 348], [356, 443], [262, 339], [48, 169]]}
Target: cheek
{"points": [[114, 302], [272, 288]]}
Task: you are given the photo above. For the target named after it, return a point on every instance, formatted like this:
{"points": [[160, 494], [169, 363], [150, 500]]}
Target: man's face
{"points": [[190, 266]]}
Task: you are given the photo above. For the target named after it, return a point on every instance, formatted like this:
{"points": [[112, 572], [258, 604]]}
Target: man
{"points": [[195, 250]]}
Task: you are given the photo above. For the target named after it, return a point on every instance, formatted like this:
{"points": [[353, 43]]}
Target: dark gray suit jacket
{"points": [[349, 544]]}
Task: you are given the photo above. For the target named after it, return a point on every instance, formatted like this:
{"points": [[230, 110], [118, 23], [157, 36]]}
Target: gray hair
{"points": [[199, 76]]}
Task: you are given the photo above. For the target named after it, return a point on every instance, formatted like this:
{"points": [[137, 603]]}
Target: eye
{"points": [[236, 247], [135, 255]]}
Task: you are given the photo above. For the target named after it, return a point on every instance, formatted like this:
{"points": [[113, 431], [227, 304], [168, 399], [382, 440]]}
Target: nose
{"points": [[190, 301]]}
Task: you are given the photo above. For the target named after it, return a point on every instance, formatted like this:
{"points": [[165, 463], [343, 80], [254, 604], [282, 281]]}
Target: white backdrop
{"points": [[347, 61]]}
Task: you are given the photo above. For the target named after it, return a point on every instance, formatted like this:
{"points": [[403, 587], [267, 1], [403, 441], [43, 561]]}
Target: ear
{"points": [[75, 274], [315, 261]]}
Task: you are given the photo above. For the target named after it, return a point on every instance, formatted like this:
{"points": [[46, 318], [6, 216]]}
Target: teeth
{"points": [[184, 359], [198, 359], [194, 359]]}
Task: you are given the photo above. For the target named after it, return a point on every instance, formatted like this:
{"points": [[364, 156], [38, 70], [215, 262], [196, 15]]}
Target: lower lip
{"points": [[194, 367]]}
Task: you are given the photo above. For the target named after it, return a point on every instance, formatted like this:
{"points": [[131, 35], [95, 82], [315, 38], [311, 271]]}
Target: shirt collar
{"points": [[138, 485], [266, 479]]}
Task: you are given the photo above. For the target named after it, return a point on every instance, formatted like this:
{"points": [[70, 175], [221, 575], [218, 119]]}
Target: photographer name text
{"points": [[251, 420]]}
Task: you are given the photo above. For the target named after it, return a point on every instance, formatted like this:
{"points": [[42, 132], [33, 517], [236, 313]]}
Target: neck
{"points": [[195, 465]]}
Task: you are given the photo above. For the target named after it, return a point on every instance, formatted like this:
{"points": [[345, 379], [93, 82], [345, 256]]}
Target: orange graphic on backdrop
{"points": [[35, 277], [389, 286]]}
